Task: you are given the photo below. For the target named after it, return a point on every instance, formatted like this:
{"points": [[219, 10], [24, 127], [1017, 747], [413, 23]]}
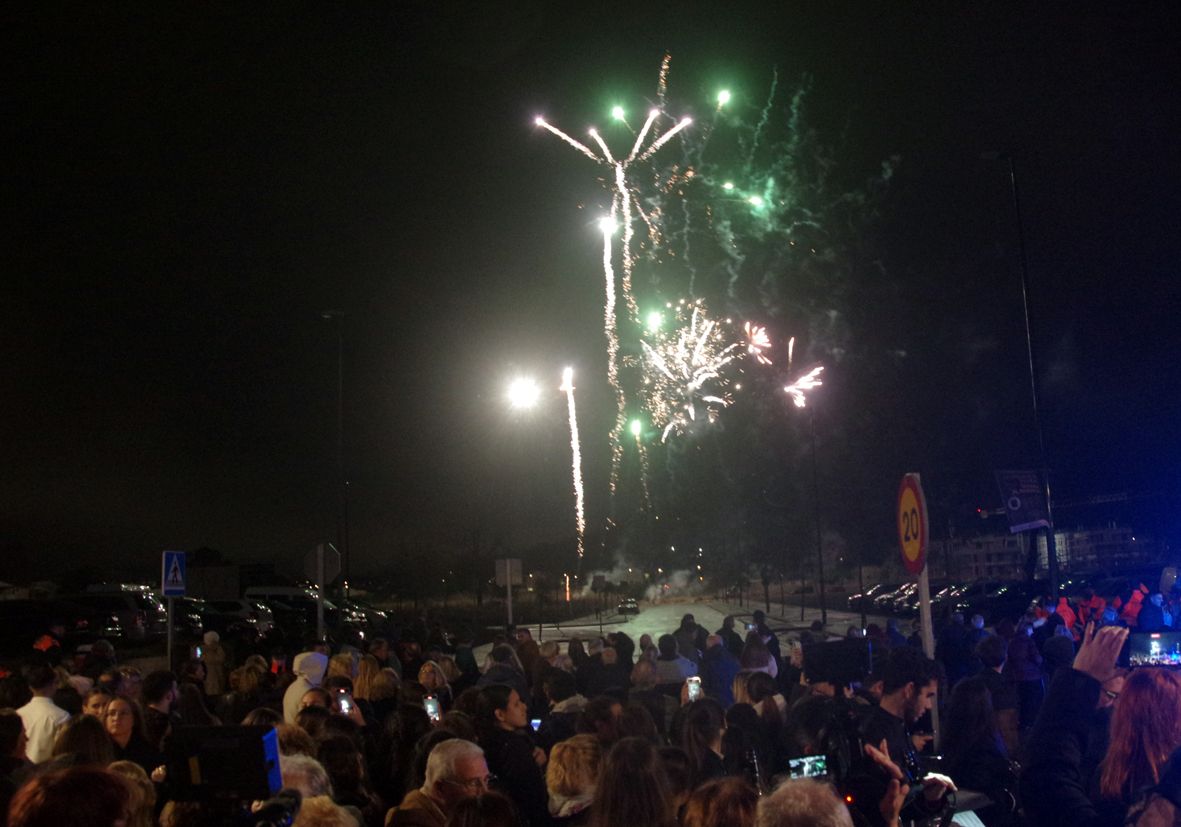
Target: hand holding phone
{"points": [[433, 709], [693, 688], [345, 703]]}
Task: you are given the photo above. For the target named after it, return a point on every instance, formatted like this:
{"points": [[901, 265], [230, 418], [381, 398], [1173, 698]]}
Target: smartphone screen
{"points": [[198, 651], [536, 724], [1154, 649], [344, 703], [431, 704], [694, 685], [808, 766]]}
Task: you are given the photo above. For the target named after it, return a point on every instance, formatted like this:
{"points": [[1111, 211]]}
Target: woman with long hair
{"points": [[633, 789], [142, 804], [757, 657], [431, 676], [975, 751], [571, 778], [723, 802], [1145, 730], [502, 726], [84, 742], [702, 729], [367, 671], [78, 796], [125, 724]]}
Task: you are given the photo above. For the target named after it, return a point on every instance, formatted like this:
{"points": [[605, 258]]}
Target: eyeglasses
{"points": [[484, 783]]}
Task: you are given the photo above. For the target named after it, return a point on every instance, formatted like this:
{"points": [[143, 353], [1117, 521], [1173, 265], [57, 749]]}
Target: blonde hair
{"points": [[320, 811], [385, 685], [340, 665], [367, 671], [573, 767], [741, 695], [142, 803]]}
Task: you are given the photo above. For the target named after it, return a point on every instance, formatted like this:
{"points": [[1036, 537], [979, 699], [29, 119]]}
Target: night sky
{"points": [[188, 189]]}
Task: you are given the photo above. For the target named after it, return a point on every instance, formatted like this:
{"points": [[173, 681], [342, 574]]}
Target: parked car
{"points": [[864, 600], [140, 612], [229, 616], [23, 621]]}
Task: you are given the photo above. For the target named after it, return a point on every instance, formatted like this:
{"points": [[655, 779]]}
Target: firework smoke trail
{"points": [[791, 348], [807, 382], [662, 80], [764, 118], [575, 462]]}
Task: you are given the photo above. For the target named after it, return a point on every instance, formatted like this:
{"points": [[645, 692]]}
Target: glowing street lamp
{"points": [[523, 393]]}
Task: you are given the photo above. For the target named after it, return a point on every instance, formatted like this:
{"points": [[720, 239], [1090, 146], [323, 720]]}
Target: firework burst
{"points": [[684, 379], [797, 389]]}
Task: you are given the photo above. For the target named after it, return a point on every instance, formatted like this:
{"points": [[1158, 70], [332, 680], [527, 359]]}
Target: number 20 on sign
{"points": [[912, 524]]}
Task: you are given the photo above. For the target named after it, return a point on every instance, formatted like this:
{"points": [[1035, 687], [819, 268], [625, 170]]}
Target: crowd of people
{"points": [[734, 728]]}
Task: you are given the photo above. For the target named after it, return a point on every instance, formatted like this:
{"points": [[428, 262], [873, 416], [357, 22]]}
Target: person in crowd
{"points": [[304, 774], [953, 649], [909, 683], [262, 716], [600, 718], [160, 693], [718, 668], [1145, 730], [124, 723], [894, 636], [730, 638], [346, 768], [367, 671], [565, 705], [505, 669], [309, 669], [701, 738], [976, 631], [245, 694], [672, 668], [95, 702], [769, 638], [992, 652], [322, 811], [84, 741], [455, 770], [142, 802], [1024, 668], [610, 678], [723, 802], [393, 770], [690, 639], [41, 716], [633, 788], [1054, 783], [1152, 614], [14, 764], [571, 778], [660, 705], [213, 655], [191, 709], [502, 722], [757, 657], [747, 750], [975, 753], [804, 802], [76, 796], [488, 810]]}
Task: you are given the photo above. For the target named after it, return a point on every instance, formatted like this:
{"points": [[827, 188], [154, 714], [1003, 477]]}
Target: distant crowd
{"points": [[745, 725]]}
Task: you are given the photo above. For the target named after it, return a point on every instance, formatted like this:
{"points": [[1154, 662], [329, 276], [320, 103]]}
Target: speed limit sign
{"points": [[912, 524]]}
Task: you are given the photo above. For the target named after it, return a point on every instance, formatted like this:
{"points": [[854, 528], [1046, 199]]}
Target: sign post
{"points": [[321, 565], [913, 534], [508, 574], [172, 584]]}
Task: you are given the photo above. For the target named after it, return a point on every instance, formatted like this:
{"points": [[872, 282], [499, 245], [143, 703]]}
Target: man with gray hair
{"points": [[803, 802], [455, 770], [306, 774]]}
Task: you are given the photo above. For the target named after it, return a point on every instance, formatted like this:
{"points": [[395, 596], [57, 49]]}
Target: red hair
{"points": [[79, 797], [1145, 729]]}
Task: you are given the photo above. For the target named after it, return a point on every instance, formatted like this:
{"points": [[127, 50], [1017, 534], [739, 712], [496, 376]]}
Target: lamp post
{"points": [[342, 485], [1051, 545]]}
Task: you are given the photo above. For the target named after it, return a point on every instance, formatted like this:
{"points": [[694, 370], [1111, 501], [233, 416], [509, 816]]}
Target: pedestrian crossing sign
{"points": [[172, 577]]}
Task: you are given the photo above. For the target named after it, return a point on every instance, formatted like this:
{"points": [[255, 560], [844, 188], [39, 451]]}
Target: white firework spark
{"points": [[623, 199], [576, 460], [757, 342], [796, 390], [685, 377]]}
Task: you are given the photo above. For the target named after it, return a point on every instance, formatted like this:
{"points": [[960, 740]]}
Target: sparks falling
{"points": [[684, 378], [575, 462], [796, 390], [624, 199]]}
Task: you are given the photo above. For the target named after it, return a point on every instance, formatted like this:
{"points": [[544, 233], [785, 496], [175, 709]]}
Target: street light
{"points": [[1051, 545], [523, 393]]}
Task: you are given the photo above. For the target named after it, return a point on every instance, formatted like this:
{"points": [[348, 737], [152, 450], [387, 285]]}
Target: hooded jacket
{"points": [[309, 669]]}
